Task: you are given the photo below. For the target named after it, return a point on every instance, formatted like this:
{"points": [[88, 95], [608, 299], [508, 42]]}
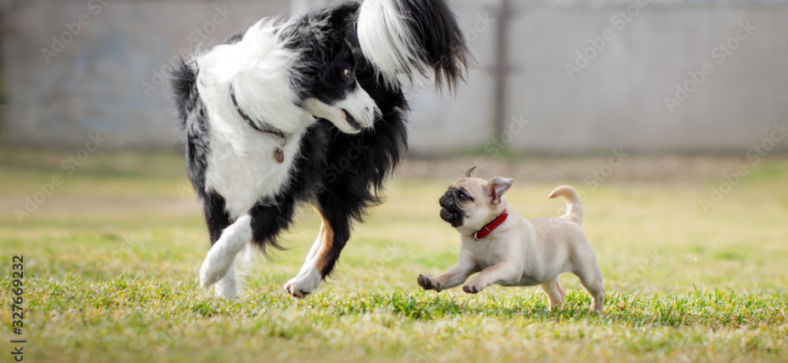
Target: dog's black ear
{"points": [[497, 186]]}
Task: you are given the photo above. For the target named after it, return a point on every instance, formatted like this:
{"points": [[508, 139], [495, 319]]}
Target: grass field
{"points": [[111, 261]]}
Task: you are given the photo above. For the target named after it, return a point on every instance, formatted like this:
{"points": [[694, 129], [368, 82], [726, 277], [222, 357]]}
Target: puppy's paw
{"points": [[428, 284], [471, 289]]}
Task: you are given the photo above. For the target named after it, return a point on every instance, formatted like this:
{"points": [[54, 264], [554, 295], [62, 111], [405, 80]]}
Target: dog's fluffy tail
{"points": [[413, 37], [574, 210]]}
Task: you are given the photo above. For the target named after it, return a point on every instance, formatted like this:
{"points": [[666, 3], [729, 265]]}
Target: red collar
{"points": [[490, 226]]}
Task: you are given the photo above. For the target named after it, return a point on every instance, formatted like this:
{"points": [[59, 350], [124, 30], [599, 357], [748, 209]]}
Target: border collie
{"points": [[308, 110]]}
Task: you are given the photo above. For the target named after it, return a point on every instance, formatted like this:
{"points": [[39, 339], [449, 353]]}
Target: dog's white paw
{"points": [[228, 287], [303, 284], [214, 268], [226, 291]]}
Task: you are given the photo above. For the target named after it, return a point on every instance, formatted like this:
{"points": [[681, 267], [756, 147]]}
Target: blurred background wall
{"points": [[555, 77]]}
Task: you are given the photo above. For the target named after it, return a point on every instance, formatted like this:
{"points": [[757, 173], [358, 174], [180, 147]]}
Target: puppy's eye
{"points": [[462, 196], [346, 72]]}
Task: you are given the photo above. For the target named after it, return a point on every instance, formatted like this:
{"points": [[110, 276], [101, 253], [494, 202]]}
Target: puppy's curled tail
{"points": [[574, 210]]}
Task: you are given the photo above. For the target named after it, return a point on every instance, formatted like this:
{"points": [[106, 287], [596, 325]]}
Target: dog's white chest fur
{"points": [[489, 252], [242, 166]]}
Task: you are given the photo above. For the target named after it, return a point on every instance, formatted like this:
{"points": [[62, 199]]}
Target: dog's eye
{"points": [[462, 196], [346, 72]]}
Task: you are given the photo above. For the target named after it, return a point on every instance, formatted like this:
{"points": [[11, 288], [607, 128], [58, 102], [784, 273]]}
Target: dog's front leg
{"points": [[308, 279], [324, 254], [222, 254], [504, 272], [229, 286], [454, 276]]}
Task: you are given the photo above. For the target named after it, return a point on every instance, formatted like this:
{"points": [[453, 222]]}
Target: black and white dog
{"points": [[306, 110]]}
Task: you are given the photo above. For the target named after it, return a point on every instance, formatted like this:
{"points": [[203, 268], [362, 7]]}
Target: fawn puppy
{"points": [[506, 249]]}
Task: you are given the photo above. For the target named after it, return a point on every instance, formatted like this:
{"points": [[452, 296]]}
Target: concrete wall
{"points": [[615, 96], [618, 99], [109, 77]]}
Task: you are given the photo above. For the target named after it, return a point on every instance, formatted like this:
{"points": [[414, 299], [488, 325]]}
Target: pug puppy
{"points": [[506, 249]]}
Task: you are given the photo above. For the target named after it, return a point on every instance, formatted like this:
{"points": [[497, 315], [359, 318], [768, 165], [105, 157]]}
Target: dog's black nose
{"points": [[451, 212], [447, 200]]}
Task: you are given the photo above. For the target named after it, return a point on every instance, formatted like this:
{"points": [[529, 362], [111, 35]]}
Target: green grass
{"points": [[111, 261]]}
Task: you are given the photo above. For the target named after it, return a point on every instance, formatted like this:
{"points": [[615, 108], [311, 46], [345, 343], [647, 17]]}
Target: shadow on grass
{"points": [[713, 308]]}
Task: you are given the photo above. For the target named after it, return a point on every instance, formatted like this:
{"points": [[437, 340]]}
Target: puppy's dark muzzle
{"points": [[451, 212], [454, 218]]}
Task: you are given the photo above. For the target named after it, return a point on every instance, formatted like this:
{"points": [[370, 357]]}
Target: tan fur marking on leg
{"points": [[328, 240]]}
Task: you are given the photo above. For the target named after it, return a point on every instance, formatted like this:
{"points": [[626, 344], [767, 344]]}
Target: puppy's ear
{"points": [[468, 173], [497, 186]]}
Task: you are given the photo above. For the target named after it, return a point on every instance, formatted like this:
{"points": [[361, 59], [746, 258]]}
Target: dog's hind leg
{"points": [[554, 292], [223, 253], [592, 281]]}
